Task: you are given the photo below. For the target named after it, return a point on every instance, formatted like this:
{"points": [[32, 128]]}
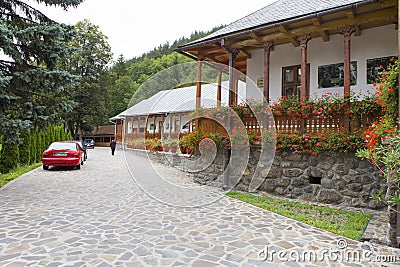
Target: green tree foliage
{"points": [[119, 88], [126, 76], [89, 61], [32, 86], [9, 157], [31, 146]]}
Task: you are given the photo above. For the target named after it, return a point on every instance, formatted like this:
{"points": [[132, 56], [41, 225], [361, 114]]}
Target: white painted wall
{"points": [[373, 43]]}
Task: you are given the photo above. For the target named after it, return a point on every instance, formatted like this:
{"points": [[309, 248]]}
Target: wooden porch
{"points": [[310, 126]]}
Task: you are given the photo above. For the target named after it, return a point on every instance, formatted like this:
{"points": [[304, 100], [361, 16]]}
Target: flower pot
{"points": [[173, 149], [166, 148], [183, 149]]}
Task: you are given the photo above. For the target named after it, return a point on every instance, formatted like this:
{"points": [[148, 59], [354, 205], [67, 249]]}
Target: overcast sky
{"points": [[134, 27]]}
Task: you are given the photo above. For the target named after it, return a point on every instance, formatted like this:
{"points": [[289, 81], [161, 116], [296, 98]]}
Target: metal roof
{"points": [[181, 100], [276, 12]]}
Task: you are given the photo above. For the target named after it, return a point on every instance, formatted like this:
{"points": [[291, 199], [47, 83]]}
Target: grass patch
{"points": [[350, 224], [17, 172]]}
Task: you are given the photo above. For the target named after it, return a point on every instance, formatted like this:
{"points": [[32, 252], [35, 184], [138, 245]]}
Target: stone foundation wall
{"points": [[330, 178]]}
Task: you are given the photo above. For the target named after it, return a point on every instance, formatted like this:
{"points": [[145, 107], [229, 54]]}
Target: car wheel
{"points": [[45, 167], [78, 166], [81, 161]]}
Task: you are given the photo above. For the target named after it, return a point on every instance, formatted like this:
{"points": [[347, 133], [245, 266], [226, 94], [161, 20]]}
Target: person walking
{"points": [[113, 144]]}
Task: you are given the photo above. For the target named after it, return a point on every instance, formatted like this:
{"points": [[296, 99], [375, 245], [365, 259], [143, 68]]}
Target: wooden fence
{"points": [[312, 125]]}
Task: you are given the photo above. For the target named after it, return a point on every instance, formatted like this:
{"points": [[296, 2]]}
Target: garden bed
{"points": [[350, 224]]}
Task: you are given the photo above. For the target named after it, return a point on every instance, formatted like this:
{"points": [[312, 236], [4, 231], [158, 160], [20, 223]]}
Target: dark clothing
{"points": [[113, 144]]}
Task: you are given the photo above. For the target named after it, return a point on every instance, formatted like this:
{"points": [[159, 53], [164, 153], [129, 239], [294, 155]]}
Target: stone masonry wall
{"points": [[330, 178]]}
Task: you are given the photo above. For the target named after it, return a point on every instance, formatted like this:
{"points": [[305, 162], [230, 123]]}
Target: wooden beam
{"points": [[291, 38], [256, 37], [380, 15], [219, 87], [351, 14], [324, 34], [198, 82], [247, 54], [252, 42], [267, 51], [232, 58]]}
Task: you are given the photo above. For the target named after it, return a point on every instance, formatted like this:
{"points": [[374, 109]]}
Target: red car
{"points": [[63, 154]]}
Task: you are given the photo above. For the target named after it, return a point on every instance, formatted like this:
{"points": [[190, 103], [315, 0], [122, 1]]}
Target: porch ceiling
{"points": [[368, 14]]}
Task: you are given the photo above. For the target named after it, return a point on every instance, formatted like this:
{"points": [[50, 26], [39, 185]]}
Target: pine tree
{"points": [[9, 157], [24, 149], [31, 76]]}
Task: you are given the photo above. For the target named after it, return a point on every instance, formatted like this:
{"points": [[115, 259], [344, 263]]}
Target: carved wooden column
{"points": [[267, 51], [232, 58], [303, 39], [198, 89], [219, 87], [347, 31], [170, 124], [154, 126]]}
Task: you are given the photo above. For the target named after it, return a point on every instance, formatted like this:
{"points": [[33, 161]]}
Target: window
{"points": [[376, 67], [291, 80], [151, 127], [333, 75], [177, 125], [129, 127]]}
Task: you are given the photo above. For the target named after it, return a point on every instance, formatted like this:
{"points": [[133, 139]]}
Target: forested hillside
{"points": [[127, 75], [54, 74]]}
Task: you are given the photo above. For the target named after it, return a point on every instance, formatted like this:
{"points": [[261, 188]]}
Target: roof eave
{"points": [[232, 35]]}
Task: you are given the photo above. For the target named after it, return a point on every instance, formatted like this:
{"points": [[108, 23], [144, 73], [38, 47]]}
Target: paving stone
{"points": [[203, 263], [98, 216]]}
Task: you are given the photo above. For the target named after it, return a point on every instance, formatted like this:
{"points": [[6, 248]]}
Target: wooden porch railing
{"points": [[313, 125]]}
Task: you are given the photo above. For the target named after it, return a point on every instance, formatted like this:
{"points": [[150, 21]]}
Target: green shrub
{"points": [[9, 158], [25, 149]]}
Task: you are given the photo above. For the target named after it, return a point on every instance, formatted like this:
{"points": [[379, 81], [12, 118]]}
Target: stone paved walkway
{"points": [[100, 216]]}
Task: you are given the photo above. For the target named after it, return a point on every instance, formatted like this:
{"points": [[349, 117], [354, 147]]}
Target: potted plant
{"points": [[156, 145], [166, 145], [173, 146], [182, 145]]}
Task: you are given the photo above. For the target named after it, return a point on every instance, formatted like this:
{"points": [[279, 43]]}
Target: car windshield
{"points": [[63, 146]]}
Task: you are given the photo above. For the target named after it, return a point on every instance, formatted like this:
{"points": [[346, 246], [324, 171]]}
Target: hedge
{"points": [[30, 149]]}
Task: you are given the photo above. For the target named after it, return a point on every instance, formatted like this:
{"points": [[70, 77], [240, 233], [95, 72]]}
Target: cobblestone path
{"points": [[98, 216]]}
